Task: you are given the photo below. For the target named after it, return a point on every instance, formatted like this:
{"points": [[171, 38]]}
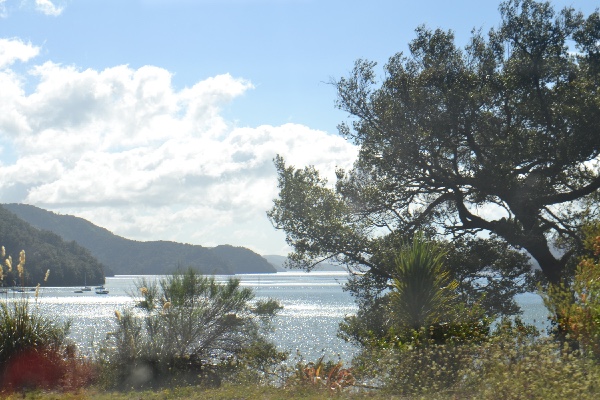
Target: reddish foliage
{"points": [[32, 368], [46, 370]]}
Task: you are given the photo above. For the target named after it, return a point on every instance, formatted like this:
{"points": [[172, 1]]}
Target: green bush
{"points": [[33, 349], [422, 306], [188, 329]]}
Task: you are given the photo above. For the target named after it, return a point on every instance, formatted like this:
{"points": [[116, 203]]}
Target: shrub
{"points": [[34, 349], [575, 306], [186, 329], [423, 307]]}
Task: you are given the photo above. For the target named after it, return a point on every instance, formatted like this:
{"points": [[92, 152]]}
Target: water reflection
{"points": [[314, 305]]}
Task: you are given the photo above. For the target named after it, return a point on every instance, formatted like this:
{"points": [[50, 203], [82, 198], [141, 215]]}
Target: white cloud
{"points": [[3, 10], [48, 8], [12, 50], [124, 149]]}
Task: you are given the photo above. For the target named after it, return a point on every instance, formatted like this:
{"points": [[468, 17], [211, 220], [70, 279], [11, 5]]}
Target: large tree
{"points": [[501, 137]]}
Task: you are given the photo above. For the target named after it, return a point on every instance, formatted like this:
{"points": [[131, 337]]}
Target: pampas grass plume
{"points": [[21, 266]]}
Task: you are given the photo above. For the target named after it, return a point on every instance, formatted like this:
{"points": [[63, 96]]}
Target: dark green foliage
{"points": [[422, 294], [422, 305], [21, 329], [495, 137], [68, 262], [188, 328], [124, 256], [489, 273], [510, 122]]}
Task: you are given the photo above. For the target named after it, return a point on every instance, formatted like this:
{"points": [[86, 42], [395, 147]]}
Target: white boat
{"points": [[101, 291], [85, 287]]}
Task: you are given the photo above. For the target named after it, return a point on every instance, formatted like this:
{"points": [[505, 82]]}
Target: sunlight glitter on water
{"points": [[314, 305]]}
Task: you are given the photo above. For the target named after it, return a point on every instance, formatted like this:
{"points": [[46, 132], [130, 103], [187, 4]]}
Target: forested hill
{"points": [[129, 257], [69, 263]]}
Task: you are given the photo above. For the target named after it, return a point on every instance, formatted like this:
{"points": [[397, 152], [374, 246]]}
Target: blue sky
{"points": [[158, 119]]}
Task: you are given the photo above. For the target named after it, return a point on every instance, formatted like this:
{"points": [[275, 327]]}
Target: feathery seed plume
{"points": [[166, 306], [21, 266], [3, 252], [144, 291], [118, 314], [37, 291], [8, 263], [47, 275]]}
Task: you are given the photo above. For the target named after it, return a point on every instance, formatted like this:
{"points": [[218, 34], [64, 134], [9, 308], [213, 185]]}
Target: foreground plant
{"points": [[34, 349], [187, 329], [322, 375], [575, 305]]}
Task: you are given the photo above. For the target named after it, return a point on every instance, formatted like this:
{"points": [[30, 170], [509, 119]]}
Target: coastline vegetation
{"points": [[189, 337], [427, 327]]}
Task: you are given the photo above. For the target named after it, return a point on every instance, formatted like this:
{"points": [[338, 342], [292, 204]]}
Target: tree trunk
{"points": [[551, 266]]}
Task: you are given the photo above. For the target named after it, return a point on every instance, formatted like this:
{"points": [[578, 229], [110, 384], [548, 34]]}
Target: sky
{"points": [[160, 119]]}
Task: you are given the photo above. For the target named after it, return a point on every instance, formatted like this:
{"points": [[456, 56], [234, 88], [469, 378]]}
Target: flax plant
{"points": [[423, 293]]}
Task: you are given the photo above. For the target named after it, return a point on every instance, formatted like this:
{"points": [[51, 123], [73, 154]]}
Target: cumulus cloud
{"points": [[124, 149], [12, 50], [47, 7]]}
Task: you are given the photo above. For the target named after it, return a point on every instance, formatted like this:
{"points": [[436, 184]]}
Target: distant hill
{"points": [[69, 263], [130, 257], [279, 263]]}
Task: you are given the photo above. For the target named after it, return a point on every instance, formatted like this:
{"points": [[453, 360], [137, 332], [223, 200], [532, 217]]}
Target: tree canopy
{"points": [[500, 137]]}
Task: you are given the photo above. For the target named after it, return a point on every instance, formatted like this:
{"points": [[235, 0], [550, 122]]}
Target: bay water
{"points": [[313, 306]]}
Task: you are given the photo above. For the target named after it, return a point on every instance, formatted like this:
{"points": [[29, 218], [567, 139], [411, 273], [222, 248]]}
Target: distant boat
{"points": [[79, 291], [85, 287], [101, 291]]}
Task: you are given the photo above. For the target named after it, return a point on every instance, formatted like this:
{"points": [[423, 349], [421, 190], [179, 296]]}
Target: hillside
{"points": [[68, 262], [130, 257]]}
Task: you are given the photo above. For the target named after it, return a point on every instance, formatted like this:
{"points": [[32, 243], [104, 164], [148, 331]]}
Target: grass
{"points": [[228, 391]]}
